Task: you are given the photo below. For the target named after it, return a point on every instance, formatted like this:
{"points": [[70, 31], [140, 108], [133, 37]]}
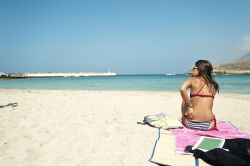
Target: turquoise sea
{"points": [[228, 83]]}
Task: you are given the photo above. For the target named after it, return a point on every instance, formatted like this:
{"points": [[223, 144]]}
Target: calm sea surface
{"points": [[228, 83]]}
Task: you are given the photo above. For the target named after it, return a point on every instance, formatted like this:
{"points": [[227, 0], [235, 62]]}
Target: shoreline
{"points": [[139, 91]]}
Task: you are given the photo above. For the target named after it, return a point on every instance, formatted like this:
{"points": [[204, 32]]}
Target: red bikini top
{"points": [[200, 95]]}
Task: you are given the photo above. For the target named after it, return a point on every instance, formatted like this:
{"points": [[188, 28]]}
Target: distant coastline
{"points": [[53, 74], [223, 71], [220, 71], [240, 66]]}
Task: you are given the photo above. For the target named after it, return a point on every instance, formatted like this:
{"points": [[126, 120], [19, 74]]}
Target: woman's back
{"points": [[202, 99]]}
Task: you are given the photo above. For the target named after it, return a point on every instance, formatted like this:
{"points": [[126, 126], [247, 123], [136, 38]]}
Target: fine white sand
{"points": [[92, 128]]}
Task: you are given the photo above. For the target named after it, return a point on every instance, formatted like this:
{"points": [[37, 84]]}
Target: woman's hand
{"points": [[190, 113]]}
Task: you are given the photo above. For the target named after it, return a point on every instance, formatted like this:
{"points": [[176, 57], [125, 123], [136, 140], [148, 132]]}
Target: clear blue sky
{"points": [[129, 36]]}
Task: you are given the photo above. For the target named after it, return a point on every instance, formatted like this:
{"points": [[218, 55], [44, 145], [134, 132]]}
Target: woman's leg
{"points": [[183, 117], [213, 125]]}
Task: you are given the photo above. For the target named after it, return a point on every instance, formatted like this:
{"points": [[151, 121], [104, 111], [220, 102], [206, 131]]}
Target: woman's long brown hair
{"points": [[205, 70]]}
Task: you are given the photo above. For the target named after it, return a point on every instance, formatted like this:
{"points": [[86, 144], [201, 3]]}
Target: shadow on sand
{"points": [[8, 105]]}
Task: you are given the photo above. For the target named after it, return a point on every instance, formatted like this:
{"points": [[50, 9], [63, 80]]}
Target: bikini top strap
{"points": [[201, 88]]}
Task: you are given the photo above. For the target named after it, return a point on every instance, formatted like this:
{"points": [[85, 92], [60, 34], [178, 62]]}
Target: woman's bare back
{"points": [[203, 104]]}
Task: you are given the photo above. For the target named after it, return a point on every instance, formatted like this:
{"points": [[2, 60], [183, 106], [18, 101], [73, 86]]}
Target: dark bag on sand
{"points": [[235, 152]]}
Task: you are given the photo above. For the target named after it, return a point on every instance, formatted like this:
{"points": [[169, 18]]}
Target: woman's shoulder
{"points": [[189, 79], [197, 79], [193, 79]]}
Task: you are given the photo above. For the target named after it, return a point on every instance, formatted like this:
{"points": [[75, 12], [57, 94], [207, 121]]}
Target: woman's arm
{"points": [[187, 109], [183, 90]]}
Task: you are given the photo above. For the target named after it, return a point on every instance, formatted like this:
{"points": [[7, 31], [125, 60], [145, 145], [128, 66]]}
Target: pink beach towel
{"points": [[185, 136]]}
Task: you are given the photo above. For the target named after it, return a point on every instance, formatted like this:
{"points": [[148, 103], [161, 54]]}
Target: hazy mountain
{"points": [[240, 66], [245, 57]]}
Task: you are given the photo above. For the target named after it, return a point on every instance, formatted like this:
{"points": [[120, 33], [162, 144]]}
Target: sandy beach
{"points": [[90, 128]]}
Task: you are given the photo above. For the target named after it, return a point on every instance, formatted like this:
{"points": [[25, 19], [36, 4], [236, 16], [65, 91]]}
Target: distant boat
{"points": [[170, 74]]}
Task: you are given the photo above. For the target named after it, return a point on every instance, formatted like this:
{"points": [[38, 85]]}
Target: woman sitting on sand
{"points": [[197, 108]]}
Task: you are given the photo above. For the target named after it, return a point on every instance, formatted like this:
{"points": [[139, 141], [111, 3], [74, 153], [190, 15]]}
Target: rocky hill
{"points": [[241, 66]]}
